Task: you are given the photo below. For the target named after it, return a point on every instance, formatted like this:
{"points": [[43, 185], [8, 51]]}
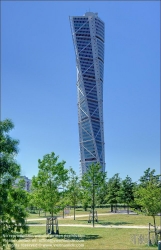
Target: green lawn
{"points": [[109, 219], [89, 238]]}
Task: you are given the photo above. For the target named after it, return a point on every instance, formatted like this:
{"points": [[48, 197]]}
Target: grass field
{"points": [[71, 237], [106, 219], [89, 238]]}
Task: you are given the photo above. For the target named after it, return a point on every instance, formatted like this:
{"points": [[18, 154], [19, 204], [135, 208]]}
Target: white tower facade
{"points": [[88, 39]]}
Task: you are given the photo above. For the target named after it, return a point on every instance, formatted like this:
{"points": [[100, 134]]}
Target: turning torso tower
{"points": [[88, 39]]}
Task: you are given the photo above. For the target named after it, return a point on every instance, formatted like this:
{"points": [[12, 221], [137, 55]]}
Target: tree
{"points": [[102, 194], [149, 198], [51, 176], [113, 188], [35, 200], [13, 199], [91, 182], [148, 175], [126, 192], [73, 188]]}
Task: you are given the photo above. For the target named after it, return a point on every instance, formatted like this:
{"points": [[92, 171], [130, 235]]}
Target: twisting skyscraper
{"points": [[88, 38]]}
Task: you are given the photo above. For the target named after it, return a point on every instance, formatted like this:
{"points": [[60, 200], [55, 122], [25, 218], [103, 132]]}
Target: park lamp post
{"points": [[63, 197]]}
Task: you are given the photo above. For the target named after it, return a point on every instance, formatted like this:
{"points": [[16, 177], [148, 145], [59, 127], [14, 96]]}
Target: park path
{"points": [[89, 225], [68, 217], [78, 216], [96, 226]]}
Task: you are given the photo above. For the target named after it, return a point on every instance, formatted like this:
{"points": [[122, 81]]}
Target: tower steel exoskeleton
{"points": [[88, 39]]}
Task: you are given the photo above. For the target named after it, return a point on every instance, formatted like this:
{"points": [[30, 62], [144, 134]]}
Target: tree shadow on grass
{"points": [[77, 236], [108, 223], [32, 222]]}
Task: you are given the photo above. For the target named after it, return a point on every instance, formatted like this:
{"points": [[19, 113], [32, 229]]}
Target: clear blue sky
{"points": [[38, 77]]}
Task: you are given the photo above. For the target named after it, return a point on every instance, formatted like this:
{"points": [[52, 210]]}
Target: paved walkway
{"points": [[68, 217], [81, 215], [97, 226], [89, 225]]}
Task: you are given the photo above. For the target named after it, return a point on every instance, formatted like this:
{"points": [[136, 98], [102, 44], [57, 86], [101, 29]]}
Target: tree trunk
{"points": [[127, 208], [115, 208], [74, 212], [52, 226], [39, 211], [155, 231], [111, 207]]}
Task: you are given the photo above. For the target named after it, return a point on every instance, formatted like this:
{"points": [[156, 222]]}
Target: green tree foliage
{"points": [[13, 199], [103, 194], [149, 198], [35, 200], [73, 187], [51, 176], [148, 175], [92, 183], [113, 188], [126, 192]]}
